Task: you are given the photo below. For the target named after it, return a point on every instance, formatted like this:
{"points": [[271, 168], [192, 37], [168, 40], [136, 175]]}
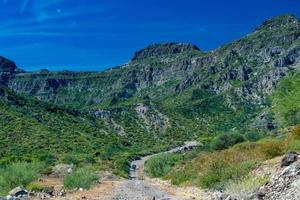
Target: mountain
{"points": [[166, 94]]}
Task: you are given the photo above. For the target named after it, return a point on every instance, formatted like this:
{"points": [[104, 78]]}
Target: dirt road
{"points": [[137, 188], [140, 187]]}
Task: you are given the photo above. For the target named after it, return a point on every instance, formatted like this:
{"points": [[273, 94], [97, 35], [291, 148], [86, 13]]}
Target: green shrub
{"points": [[224, 141], [80, 178], [122, 166], [35, 187], [245, 187], [216, 169], [47, 158], [286, 100], [220, 172], [71, 159], [161, 164], [253, 136], [89, 159], [18, 174], [295, 133], [272, 148]]}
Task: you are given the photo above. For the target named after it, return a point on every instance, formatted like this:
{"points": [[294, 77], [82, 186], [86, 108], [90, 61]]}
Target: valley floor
{"points": [[138, 187]]}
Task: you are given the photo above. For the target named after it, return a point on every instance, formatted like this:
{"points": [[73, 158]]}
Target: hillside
{"points": [[179, 85], [165, 95]]}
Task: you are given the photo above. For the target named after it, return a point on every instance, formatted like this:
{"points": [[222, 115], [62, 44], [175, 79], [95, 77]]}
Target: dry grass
{"points": [[244, 188], [215, 169]]}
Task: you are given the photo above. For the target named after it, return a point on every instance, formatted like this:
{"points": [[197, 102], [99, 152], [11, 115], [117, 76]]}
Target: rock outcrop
{"points": [[18, 193], [285, 185], [289, 158], [8, 69], [164, 49]]}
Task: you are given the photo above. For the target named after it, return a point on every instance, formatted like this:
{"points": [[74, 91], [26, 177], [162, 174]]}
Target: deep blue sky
{"points": [[96, 34]]}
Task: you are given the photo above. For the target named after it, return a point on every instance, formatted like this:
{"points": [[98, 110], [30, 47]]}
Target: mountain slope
{"points": [[168, 93], [218, 90]]}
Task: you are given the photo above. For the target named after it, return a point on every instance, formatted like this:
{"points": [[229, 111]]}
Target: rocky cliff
{"points": [[8, 69], [167, 94], [236, 78]]}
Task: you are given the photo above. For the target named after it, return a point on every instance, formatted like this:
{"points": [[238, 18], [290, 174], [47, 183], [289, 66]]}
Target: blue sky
{"points": [[96, 34]]}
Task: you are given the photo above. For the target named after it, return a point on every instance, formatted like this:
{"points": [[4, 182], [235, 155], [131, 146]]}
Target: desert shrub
{"points": [[109, 151], [244, 188], [47, 158], [35, 187], [80, 178], [122, 166], [179, 177], [253, 136], [216, 169], [286, 100], [295, 133], [220, 172], [293, 116], [71, 159], [161, 164], [18, 174], [272, 148], [224, 141], [89, 159], [293, 141]]}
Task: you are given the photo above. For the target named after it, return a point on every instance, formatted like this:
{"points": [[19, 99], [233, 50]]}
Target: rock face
{"points": [[7, 70], [17, 193], [285, 185], [289, 158], [261, 59], [240, 76], [164, 49], [279, 21], [61, 170]]}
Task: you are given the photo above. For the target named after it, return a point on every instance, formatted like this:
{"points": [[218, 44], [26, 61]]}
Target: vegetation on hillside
{"points": [[18, 174], [167, 95], [286, 100], [80, 178]]}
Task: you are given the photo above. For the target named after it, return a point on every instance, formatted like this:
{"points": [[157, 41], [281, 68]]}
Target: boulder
{"points": [[7, 70], [18, 192], [259, 195], [289, 158], [61, 170], [59, 191], [48, 190]]}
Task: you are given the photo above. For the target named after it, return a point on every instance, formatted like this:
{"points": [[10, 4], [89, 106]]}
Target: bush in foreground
{"points": [[244, 188], [18, 174], [224, 141], [80, 178], [161, 164], [216, 169]]}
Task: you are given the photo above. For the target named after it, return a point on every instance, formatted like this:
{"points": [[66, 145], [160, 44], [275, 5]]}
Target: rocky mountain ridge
{"points": [[167, 94], [242, 73]]}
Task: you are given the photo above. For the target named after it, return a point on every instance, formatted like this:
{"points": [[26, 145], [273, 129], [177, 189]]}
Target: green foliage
{"points": [[218, 168], [80, 178], [224, 141], [245, 187], [272, 148], [286, 100], [293, 143], [253, 136], [35, 187], [18, 174], [158, 166], [221, 172], [71, 159], [206, 100]]}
